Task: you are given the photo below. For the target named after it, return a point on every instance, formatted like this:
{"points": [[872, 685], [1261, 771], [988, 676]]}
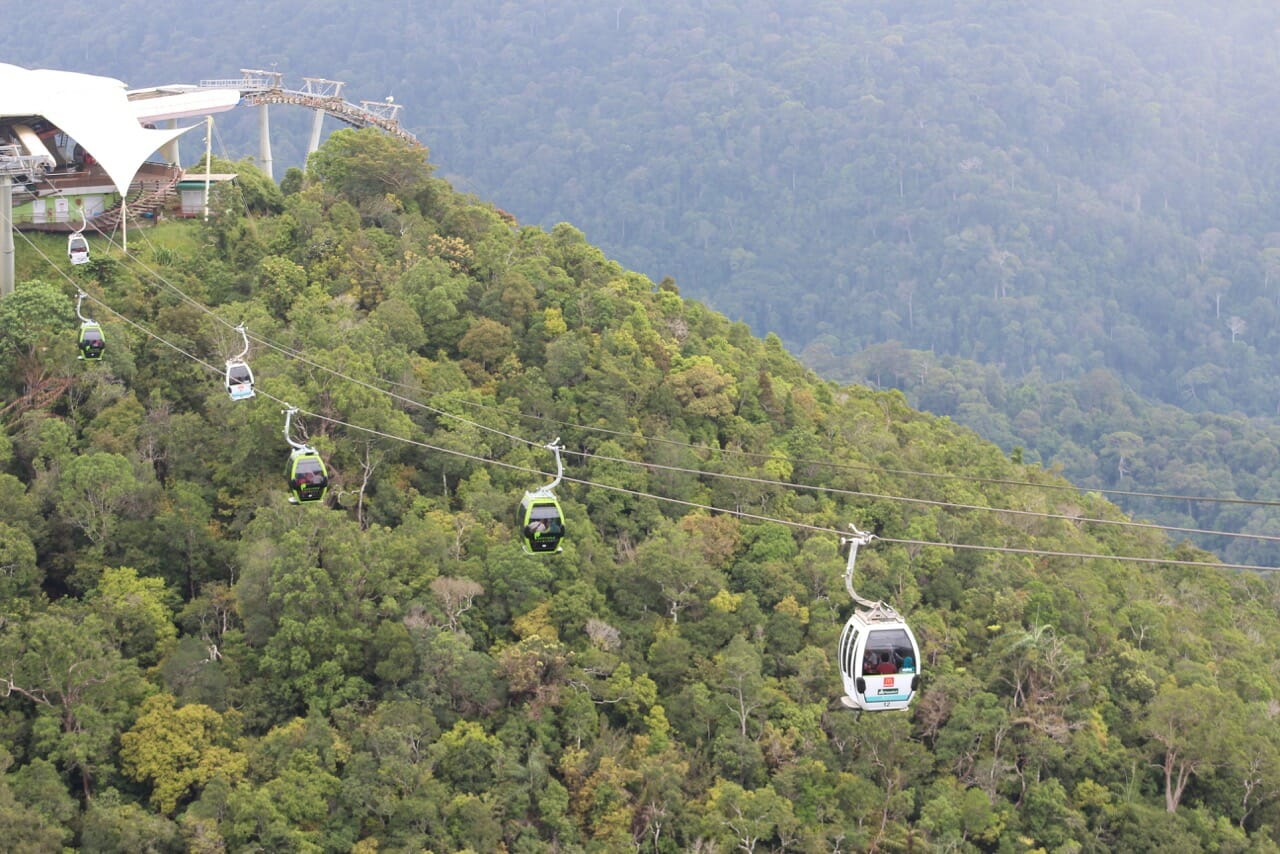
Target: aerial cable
{"points": [[755, 517], [828, 464], [929, 502], [724, 451], [297, 356], [712, 509], [711, 474], [291, 353], [785, 484]]}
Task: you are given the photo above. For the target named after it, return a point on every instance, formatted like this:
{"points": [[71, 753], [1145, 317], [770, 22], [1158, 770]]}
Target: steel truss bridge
{"points": [[263, 88]]}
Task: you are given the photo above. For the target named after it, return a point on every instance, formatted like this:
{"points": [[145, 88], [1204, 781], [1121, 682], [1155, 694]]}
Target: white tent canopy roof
{"points": [[92, 110]]}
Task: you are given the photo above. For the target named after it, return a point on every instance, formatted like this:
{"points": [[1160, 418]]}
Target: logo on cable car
{"points": [[888, 686]]}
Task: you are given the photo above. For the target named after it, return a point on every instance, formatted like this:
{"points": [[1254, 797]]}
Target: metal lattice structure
{"points": [[24, 169], [258, 87]]}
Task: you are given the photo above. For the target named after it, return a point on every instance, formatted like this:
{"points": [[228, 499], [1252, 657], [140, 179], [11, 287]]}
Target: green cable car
{"points": [[308, 477], [306, 473], [541, 522], [91, 342], [540, 519]]}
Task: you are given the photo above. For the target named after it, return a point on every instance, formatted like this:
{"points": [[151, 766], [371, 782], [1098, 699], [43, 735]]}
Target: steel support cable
{"points": [[801, 461], [950, 505], [697, 505], [827, 464], [296, 355], [291, 353], [742, 514]]}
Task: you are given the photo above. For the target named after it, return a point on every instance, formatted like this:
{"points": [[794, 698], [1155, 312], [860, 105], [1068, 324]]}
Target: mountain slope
{"points": [[190, 660], [1052, 193]]}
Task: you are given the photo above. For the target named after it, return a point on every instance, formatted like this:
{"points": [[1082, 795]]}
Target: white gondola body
{"points": [[879, 662], [77, 248], [239, 380]]}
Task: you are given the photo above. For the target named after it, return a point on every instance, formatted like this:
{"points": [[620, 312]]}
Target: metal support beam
{"points": [[14, 165], [6, 236]]}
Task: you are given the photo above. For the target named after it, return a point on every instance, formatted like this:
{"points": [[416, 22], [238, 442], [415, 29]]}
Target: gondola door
{"points": [[879, 664]]}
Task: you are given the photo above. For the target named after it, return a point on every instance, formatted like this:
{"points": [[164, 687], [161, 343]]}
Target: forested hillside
{"points": [[189, 662], [1083, 196]]}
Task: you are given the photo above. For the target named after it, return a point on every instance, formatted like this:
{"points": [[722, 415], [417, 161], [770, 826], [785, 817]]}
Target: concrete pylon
{"points": [[264, 141], [170, 152]]}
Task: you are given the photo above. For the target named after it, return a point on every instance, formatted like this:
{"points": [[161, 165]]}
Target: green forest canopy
{"points": [[188, 662], [964, 201]]}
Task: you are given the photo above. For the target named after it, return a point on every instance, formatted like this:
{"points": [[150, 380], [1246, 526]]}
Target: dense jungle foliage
{"points": [[1079, 195], [190, 663]]}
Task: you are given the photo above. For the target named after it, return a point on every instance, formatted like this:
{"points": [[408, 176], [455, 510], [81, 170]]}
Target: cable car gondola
{"points": [[879, 662], [540, 519], [305, 471], [239, 378], [77, 244], [77, 248], [91, 342], [879, 657]]}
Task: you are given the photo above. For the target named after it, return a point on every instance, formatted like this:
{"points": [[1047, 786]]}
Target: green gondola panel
{"points": [[92, 343], [308, 477], [541, 524]]}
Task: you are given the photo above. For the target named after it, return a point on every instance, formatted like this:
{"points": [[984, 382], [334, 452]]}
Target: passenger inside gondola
{"points": [[91, 342]]}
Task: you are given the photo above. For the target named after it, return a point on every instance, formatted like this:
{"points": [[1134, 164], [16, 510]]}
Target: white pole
{"points": [[264, 140], [208, 163], [6, 235]]}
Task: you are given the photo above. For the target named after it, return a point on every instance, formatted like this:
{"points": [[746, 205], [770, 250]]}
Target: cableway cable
{"points": [[294, 354], [755, 517], [700, 473]]}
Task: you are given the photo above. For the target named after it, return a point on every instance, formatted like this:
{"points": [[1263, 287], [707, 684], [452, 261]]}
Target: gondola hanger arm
{"points": [[858, 538], [554, 447], [245, 352], [80, 298], [288, 418]]}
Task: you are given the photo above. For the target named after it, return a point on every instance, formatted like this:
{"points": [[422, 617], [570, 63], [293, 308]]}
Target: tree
{"points": [[740, 680], [179, 749], [669, 575], [137, 613], [20, 574], [485, 345], [1186, 724], [748, 818], [95, 491], [456, 596], [703, 388], [466, 757], [112, 823], [36, 813], [364, 165], [63, 661]]}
